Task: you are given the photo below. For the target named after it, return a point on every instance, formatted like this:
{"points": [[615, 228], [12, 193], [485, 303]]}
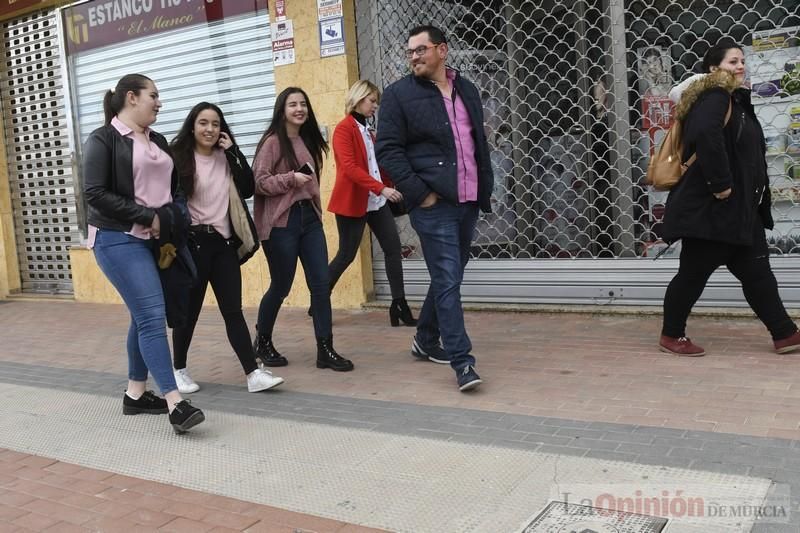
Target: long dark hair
{"points": [[714, 56], [114, 101], [183, 144], [309, 132]]}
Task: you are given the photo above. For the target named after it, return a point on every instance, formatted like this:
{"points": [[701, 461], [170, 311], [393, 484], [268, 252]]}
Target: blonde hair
{"points": [[360, 90]]}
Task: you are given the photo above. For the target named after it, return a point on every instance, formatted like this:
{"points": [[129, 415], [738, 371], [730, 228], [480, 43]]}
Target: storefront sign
{"points": [[331, 37], [100, 23], [282, 43]]}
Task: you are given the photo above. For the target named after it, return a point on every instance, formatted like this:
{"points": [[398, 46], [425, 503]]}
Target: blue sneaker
{"points": [[435, 354], [468, 379]]}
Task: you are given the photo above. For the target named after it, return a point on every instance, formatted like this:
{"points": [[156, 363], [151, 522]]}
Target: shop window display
{"points": [[774, 76], [576, 102]]}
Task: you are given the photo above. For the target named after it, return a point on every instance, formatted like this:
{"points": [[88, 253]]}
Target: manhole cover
{"points": [[561, 517]]}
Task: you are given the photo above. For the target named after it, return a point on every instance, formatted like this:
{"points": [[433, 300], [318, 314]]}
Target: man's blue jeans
{"points": [[445, 232], [130, 266]]}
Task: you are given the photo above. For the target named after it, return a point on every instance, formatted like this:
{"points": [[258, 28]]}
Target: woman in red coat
{"points": [[361, 194]]}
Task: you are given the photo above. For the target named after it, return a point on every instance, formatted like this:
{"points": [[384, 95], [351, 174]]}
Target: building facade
{"points": [[575, 102]]}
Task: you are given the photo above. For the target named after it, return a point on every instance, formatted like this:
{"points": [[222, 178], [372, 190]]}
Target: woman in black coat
{"points": [[722, 205]]}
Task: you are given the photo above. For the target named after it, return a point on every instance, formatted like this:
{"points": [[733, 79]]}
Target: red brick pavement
{"points": [[585, 367], [40, 494]]}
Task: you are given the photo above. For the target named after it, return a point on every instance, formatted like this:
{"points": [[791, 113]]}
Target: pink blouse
{"points": [[152, 176]]}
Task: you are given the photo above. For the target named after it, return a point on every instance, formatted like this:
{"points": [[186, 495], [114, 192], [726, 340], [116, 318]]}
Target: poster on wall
{"points": [[331, 37], [280, 10], [329, 9], [330, 14], [654, 66], [282, 43]]}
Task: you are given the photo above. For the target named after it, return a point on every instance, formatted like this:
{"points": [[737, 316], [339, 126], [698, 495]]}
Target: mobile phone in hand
{"points": [[306, 169]]}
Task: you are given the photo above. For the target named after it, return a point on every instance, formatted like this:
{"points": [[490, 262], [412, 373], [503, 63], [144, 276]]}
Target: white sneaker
{"points": [[259, 380], [186, 384]]}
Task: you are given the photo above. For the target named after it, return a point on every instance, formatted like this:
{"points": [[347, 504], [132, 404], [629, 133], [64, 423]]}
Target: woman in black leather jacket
{"points": [[216, 178], [721, 206], [128, 174]]}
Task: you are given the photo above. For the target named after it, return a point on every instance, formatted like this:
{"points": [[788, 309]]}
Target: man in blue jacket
{"points": [[432, 143]]}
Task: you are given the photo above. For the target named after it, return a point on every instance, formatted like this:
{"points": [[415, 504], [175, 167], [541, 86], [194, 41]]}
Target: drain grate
{"points": [[561, 517]]}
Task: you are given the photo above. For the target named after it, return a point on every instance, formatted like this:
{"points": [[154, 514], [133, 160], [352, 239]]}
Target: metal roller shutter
{"points": [[228, 63], [39, 153]]}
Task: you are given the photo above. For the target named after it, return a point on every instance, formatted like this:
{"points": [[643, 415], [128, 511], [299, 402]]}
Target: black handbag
{"points": [[398, 208]]}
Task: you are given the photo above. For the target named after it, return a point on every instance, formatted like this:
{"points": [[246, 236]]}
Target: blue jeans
{"points": [[130, 266], [445, 232], [302, 238]]}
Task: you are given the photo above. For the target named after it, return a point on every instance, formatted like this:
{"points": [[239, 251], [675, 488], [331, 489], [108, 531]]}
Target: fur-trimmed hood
{"points": [[676, 92], [687, 93]]}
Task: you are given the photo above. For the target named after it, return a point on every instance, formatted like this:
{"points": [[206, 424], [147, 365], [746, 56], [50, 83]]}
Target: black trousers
{"points": [[750, 264], [218, 264], [351, 229]]}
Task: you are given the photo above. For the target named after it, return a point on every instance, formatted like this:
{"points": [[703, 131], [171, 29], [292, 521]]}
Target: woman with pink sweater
{"points": [[216, 179], [288, 217]]}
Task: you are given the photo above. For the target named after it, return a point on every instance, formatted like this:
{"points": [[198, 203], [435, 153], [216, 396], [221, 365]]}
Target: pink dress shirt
{"points": [[466, 164]]}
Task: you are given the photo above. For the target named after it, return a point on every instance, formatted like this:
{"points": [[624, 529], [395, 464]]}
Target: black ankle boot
{"points": [[399, 311], [328, 358], [265, 350]]}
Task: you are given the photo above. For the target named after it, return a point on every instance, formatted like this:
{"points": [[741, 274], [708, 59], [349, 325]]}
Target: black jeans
{"points": [[351, 229], [218, 264], [750, 265], [303, 239]]}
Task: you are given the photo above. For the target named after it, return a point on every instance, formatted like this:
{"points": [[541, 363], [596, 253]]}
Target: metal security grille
{"points": [[38, 151], [575, 100]]}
